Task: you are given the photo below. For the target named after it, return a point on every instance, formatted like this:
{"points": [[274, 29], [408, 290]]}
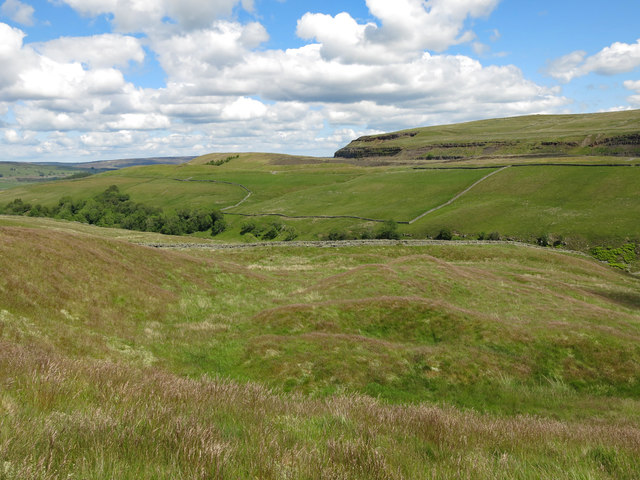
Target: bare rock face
{"points": [[362, 152]]}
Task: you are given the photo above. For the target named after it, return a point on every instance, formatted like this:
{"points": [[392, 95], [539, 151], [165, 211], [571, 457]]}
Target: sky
{"points": [[84, 80]]}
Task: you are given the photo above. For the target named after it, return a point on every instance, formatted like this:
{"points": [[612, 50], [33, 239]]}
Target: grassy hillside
{"points": [[578, 201], [585, 206], [600, 134], [387, 360], [13, 174], [359, 362]]}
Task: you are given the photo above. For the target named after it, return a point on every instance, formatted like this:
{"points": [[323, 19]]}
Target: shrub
{"points": [[218, 163], [616, 257], [558, 241], [337, 234], [272, 231], [445, 234], [17, 207], [494, 236], [218, 223], [543, 240], [290, 234], [39, 211], [247, 227], [172, 225], [218, 227], [388, 230], [366, 234]]}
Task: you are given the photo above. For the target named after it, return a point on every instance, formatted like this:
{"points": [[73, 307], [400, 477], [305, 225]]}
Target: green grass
{"points": [[541, 135], [356, 362], [404, 323], [586, 205], [14, 174], [379, 194], [360, 362]]}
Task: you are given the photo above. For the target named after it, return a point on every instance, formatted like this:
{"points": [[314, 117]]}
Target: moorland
{"points": [[465, 307]]}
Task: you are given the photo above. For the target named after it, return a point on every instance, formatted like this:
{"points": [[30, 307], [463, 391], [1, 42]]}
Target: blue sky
{"points": [[101, 79]]}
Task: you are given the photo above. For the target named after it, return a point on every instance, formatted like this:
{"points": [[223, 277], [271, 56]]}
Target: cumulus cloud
{"points": [[202, 53], [612, 60], [635, 86], [147, 15], [97, 51], [305, 75], [225, 92], [139, 121], [408, 27], [244, 109], [18, 12]]}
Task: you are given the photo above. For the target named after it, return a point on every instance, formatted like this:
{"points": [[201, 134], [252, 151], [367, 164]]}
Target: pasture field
{"points": [[376, 361], [600, 134], [14, 174], [584, 205], [134, 355]]}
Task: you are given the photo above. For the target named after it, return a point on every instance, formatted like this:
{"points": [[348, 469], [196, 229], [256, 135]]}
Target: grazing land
{"points": [[293, 344], [14, 174], [359, 362], [526, 138], [584, 206]]}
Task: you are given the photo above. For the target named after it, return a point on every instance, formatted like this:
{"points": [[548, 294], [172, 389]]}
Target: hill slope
{"points": [[581, 201], [603, 134], [112, 358]]}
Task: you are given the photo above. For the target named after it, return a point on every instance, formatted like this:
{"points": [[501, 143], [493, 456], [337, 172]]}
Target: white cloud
{"points": [[139, 121], [98, 51], [11, 57], [11, 136], [408, 27], [202, 53], [108, 139], [224, 92], [633, 85], [244, 109], [480, 48], [18, 12], [612, 60], [149, 15]]}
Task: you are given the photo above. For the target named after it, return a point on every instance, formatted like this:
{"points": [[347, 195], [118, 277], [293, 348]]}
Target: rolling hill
{"points": [[136, 355], [125, 361], [579, 201], [600, 134]]}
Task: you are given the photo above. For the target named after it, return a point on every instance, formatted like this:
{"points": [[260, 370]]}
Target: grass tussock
{"points": [[490, 361], [98, 419]]}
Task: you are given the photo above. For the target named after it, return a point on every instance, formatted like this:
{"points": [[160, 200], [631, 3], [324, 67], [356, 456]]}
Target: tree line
{"points": [[112, 208]]}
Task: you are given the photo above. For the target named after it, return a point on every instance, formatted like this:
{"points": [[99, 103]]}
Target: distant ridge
{"points": [[599, 134], [122, 163]]}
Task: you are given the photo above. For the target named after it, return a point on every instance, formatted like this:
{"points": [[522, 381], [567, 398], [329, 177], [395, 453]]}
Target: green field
{"points": [[14, 174], [135, 355], [586, 206], [599, 134], [356, 362]]}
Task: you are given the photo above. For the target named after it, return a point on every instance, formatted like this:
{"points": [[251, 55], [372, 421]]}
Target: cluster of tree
{"points": [[218, 163], [269, 231], [113, 208]]}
